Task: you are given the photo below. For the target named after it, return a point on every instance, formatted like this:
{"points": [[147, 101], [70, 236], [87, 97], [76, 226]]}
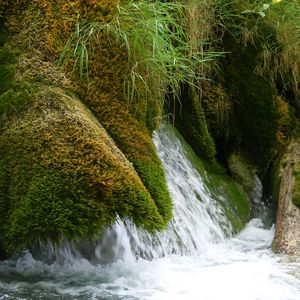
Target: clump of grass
{"points": [[156, 40], [273, 28]]}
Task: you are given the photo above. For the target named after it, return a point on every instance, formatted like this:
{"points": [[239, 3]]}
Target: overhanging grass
{"points": [[155, 38], [271, 26]]}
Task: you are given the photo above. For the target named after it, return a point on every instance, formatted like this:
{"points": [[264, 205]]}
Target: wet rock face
{"points": [[287, 235]]}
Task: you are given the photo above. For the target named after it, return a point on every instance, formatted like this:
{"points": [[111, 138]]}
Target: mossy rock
{"points": [[241, 171], [104, 95], [190, 120], [62, 175]]}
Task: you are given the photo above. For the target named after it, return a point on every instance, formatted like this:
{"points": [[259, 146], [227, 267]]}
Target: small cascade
{"points": [[259, 208], [197, 221]]}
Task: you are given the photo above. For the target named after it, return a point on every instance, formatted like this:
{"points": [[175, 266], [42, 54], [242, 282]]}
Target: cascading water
{"points": [[197, 223], [192, 259]]}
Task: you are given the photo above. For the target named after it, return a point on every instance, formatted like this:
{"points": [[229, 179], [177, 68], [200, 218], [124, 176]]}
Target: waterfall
{"points": [[198, 221], [192, 259]]}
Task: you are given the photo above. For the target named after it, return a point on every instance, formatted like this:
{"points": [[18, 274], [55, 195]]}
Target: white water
{"points": [[191, 260]]}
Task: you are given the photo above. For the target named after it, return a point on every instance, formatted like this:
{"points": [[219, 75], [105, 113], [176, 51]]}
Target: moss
{"points": [[55, 205], [276, 177], [135, 143], [7, 59], [190, 121], [14, 100], [296, 186], [281, 164], [104, 95], [154, 180], [255, 111], [89, 181], [286, 121], [217, 107], [76, 192]]}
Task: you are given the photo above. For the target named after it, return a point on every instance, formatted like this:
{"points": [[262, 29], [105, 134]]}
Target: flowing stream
{"points": [[195, 258]]}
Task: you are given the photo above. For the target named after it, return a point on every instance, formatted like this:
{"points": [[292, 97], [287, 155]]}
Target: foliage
{"points": [[271, 27], [154, 35]]}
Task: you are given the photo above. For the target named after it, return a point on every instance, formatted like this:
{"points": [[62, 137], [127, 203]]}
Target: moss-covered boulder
{"points": [[62, 175]]}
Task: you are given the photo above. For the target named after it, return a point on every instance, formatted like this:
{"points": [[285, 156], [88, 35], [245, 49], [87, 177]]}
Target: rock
{"points": [[242, 172], [287, 235]]}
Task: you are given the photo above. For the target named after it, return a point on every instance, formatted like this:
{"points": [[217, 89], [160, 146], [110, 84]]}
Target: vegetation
{"points": [[142, 59], [273, 28], [250, 102], [88, 175], [155, 37], [76, 192]]}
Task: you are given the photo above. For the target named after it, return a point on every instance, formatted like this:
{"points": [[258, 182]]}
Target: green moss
{"points": [[88, 182], [6, 69], [242, 172], [296, 186], [131, 134], [218, 110], [255, 111], [13, 95], [190, 121], [14, 100], [79, 190], [276, 176], [154, 180], [282, 165], [55, 205]]}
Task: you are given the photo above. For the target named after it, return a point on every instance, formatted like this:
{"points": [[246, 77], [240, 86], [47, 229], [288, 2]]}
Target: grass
{"points": [[273, 28], [157, 42]]}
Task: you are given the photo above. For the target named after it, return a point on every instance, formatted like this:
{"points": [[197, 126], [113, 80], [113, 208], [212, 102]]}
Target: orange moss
{"points": [[285, 121], [104, 94], [217, 107], [56, 139]]}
